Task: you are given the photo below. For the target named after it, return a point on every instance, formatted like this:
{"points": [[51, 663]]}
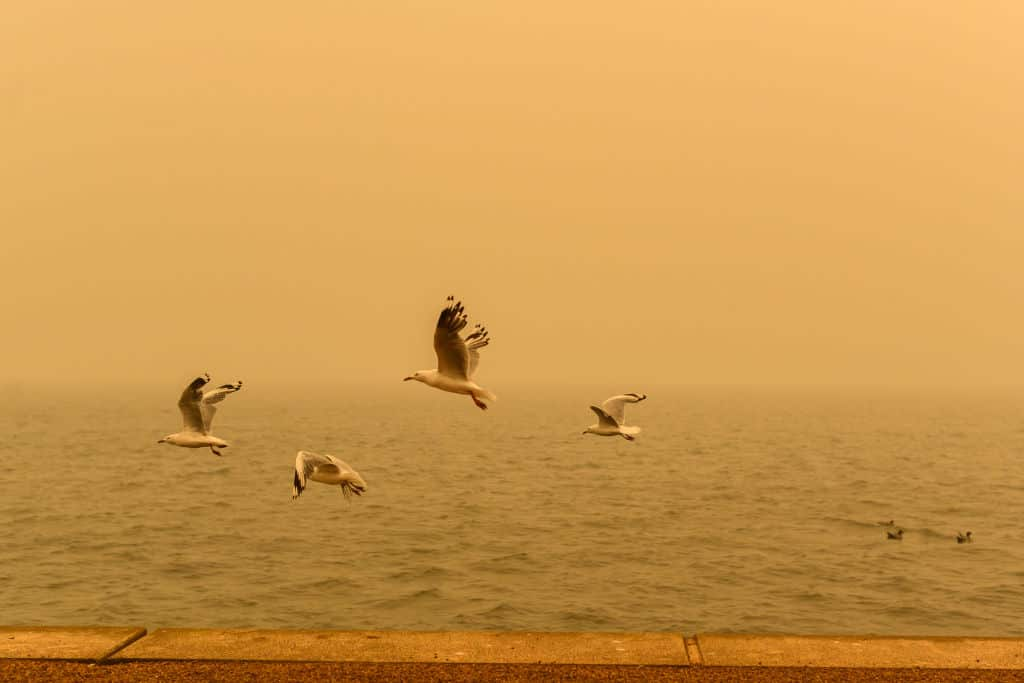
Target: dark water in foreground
{"points": [[735, 510]]}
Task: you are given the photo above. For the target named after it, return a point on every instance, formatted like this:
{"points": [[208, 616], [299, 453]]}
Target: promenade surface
{"points": [[133, 654]]}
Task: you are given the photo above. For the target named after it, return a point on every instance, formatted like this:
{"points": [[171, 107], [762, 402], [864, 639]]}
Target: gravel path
{"points": [[272, 672]]}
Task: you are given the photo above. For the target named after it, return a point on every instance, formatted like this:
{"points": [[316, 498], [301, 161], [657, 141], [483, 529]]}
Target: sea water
{"points": [[735, 510]]}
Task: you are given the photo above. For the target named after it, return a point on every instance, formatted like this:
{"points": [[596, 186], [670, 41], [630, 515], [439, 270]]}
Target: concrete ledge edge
{"points": [[136, 644], [66, 643], [471, 647], [861, 652]]}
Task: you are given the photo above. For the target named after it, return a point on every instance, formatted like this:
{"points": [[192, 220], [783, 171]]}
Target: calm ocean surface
{"points": [[735, 510]]}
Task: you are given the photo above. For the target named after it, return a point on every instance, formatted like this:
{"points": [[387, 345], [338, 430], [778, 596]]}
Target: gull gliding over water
{"points": [[197, 411], [325, 469], [457, 357], [611, 417]]}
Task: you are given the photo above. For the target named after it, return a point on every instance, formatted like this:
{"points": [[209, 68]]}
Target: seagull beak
{"points": [[160, 441], [408, 378]]}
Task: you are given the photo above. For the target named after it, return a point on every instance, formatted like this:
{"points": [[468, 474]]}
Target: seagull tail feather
{"points": [[354, 484], [485, 394]]}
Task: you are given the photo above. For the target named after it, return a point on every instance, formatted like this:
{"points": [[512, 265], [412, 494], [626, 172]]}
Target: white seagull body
{"points": [[457, 357], [325, 469], [197, 411], [611, 417]]}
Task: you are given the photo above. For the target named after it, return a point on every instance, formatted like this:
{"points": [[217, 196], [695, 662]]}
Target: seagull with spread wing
{"points": [[197, 410], [611, 417], [325, 469], [457, 356]]}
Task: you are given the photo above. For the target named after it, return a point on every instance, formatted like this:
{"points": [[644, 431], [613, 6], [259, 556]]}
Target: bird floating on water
{"points": [[964, 538], [325, 469], [457, 357], [197, 411], [611, 417], [898, 536]]}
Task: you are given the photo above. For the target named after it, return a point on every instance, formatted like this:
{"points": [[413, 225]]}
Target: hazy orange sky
{"points": [[783, 192]]}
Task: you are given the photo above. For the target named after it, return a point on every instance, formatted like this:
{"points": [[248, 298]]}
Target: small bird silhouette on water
{"points": [[898, 536], [964, 538]]}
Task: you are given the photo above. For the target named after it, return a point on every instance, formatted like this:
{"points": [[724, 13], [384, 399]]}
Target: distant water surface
{"points": [[735, 510]]}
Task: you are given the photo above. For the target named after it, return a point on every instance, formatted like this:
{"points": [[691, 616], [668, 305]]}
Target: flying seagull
{"points": [[457, 357], [325, 469], [964, 538], [197, 410], [611, 417], [898, 536]]}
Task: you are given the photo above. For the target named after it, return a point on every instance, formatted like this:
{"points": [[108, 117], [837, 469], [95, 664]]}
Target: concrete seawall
{"points": [[136, 644]]}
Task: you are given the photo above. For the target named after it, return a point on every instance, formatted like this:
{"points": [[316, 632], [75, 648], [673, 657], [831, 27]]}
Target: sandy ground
{"points": [[235, 672]]}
